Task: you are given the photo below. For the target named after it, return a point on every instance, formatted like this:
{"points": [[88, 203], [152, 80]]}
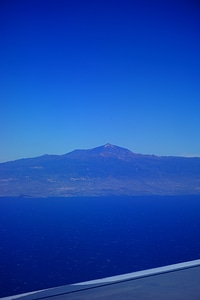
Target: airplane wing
{"points": [[177, 281]]}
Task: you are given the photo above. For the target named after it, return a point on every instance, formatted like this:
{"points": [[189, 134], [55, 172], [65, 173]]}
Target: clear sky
{"points": [[79, 74]]}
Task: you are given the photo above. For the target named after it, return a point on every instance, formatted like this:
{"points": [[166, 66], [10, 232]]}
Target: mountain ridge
{"points": [[105, 150], [104, 170]]}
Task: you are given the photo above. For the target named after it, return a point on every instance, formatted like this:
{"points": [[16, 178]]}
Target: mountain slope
{"points": [[104, 170]]}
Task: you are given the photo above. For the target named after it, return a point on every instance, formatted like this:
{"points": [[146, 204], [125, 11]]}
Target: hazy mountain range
{"points": [[105, 170]]}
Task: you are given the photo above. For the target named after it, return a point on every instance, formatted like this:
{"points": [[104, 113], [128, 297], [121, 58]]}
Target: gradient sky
{"points": [[79, 74]]}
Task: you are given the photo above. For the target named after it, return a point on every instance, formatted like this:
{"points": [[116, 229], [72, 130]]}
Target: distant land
{"points": [[101, 171]]}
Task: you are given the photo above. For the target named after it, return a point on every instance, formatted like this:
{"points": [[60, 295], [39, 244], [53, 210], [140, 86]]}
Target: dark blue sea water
{"points": [[56, 241]]}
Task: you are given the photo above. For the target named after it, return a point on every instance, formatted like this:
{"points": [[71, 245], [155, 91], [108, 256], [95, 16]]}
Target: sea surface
{"points": [[47, 242]]}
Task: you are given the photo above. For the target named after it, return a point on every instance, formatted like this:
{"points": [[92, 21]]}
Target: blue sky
{"points": [[79, 74]]}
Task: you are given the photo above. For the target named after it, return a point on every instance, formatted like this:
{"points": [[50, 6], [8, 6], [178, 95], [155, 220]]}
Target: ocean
{"points": [[47, 242]]}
